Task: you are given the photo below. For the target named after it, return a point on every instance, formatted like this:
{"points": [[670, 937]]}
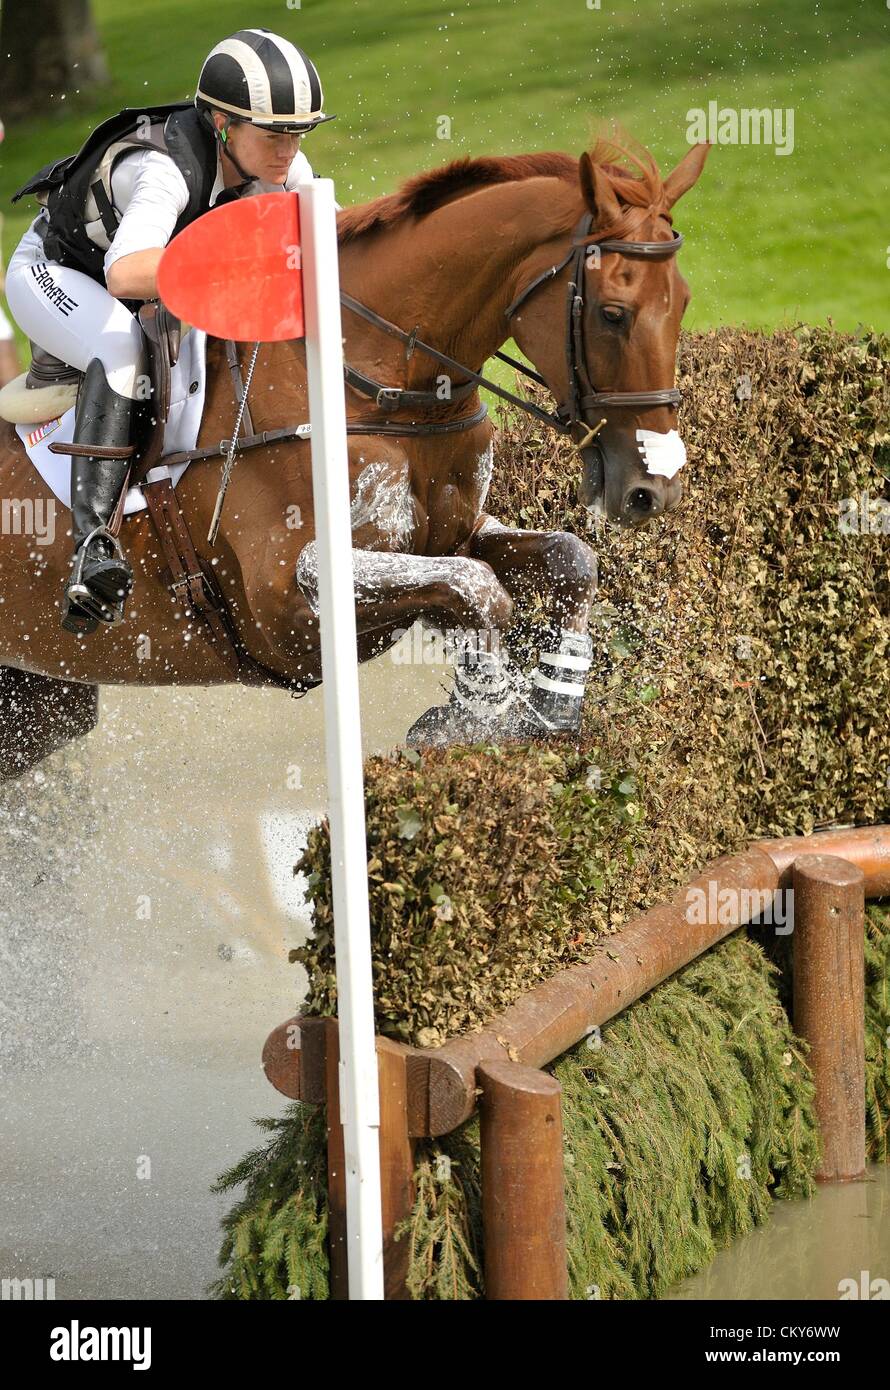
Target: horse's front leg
{"points": [[557, 563], [563, 567], [459, 596], [450, 593]]}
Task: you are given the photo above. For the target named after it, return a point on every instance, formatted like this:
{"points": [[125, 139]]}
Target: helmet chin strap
{"points": [[222, 137]]}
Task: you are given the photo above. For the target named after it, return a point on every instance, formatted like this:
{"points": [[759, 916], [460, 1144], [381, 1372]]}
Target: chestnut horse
{"points": [[447, 254]]}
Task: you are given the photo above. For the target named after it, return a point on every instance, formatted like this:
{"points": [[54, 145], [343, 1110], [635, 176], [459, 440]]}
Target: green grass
{"points": [[770, 239]]}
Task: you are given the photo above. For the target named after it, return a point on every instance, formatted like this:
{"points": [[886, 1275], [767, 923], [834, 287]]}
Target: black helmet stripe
{"points": [[224, 73], [281, 82]]}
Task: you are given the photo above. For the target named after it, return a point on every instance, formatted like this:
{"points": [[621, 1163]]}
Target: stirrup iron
{"points": [[79, 593]]}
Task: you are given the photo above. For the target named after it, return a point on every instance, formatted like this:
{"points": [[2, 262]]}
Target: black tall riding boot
{"points": [[102, 576]]}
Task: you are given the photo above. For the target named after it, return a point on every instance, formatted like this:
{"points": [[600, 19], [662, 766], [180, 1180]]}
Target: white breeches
{"points": [[72, 316]]}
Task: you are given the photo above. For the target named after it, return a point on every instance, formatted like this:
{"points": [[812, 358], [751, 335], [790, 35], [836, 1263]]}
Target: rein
{"points": [[397, 397]]}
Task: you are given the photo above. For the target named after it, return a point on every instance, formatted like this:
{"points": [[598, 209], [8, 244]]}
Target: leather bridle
{"points": [[582, 394]]}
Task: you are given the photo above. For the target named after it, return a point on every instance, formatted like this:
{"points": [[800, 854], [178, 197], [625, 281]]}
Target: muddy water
{"points": [[839, 1242], [147, 905]]}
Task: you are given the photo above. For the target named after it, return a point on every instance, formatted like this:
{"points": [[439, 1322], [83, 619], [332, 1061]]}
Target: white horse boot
{"points": [[482, 705], [556, 694]]}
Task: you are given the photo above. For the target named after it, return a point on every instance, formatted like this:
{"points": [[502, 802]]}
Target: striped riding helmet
{"points": [[259, 77]]}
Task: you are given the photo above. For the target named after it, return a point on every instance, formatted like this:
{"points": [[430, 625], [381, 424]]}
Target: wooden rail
{"points": [[430, 1091]]}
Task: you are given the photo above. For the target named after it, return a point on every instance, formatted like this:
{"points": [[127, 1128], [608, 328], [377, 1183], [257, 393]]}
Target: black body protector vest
{"points": [[76, 191]]}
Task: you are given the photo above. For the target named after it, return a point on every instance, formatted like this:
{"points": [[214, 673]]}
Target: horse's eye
{"points": [[612, 313]]}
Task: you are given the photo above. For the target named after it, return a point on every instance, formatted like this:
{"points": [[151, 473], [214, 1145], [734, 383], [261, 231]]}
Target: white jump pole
{"points": [[359, 1093]]}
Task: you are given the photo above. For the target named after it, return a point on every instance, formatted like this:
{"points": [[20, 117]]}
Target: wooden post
{"points": [[281, 1058], [321, 1083], [523, 1188], [829, 1003], [396, 1163]]}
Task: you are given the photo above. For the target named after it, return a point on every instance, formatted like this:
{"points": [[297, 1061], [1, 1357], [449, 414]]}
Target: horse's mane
{"points": [[639, 186]]}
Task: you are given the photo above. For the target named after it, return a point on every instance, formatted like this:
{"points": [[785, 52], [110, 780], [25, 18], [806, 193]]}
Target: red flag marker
{"points": [[236, 271]]}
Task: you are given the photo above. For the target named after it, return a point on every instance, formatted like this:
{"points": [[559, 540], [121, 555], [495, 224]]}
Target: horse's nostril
{"points": [[641, 501]]}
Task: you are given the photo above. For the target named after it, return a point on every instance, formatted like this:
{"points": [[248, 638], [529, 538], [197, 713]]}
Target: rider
{"points": [[90, 259]]}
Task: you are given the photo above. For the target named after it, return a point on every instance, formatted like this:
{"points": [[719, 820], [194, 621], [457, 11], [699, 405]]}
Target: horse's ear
{"points": [[597, 190], [681, 179]]}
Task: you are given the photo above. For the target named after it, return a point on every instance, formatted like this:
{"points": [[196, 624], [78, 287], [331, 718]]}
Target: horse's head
{"points": [[617, 335]]}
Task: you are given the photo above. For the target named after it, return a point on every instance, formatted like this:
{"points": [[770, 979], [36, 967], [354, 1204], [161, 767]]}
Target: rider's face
{"points": [[265, 153]]}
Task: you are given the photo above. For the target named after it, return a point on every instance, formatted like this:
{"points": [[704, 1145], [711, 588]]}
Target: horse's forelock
{"points": [[639, 189]]}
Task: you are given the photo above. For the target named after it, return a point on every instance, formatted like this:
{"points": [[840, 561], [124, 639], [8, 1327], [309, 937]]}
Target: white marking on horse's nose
{"points": [[663, 454]]}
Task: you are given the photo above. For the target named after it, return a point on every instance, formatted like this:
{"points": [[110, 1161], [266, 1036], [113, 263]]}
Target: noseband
{"points": [[583, 395]]}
